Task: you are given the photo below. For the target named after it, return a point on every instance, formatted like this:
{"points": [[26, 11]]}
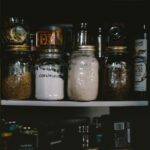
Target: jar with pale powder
{"points": [[49, 75], [83, 74]]}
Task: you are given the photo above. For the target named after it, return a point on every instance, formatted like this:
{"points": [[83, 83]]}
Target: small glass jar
{"points": [[116, 76], [17, 75], [83, 74], [49, 76], [15, 34]]}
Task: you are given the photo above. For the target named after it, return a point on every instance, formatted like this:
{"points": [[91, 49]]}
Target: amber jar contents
{"points": [[116, 77], [15, 34], [16, 76]]}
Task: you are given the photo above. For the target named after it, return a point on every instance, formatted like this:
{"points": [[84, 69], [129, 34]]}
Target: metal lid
{"points": [[56, 26], [52, 50], [86, 47], [17, 48], [116, 49]]}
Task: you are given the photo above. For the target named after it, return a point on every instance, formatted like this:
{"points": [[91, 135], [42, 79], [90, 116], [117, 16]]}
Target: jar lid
{"points": [[51, 50], [86, 48], [17, 48], [116, 49]]}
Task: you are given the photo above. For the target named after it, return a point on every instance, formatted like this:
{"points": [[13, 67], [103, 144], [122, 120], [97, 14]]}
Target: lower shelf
{"points": [[73, 103]]}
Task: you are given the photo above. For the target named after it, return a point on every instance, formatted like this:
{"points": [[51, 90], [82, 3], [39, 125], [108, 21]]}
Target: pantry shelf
{"points": [[73, 103]]}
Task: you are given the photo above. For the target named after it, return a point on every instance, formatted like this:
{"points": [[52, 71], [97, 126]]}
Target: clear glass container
{"points": [[17, 75], [49, 76], [116, 77], [15, 34], [83, 74]]}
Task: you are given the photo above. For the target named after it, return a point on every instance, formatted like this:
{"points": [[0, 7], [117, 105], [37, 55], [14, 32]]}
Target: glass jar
{"points": [[17, 75], [49, 37], [15, 34], [83, 74], [49, 76], [116, 76]]}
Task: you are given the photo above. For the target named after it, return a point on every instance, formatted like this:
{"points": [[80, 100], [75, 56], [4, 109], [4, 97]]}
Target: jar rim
{"points": [[86, 48]]}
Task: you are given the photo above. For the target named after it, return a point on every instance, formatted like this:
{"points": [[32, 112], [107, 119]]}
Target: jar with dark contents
{"points": [[116, 76], [17, 75]]}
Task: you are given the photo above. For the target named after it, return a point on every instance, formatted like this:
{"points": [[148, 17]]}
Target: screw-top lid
{"points": [[86, 48]]}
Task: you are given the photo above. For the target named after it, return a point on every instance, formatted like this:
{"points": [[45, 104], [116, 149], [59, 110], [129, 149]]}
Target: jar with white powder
{"points": [[83, 74], [49, 76]]}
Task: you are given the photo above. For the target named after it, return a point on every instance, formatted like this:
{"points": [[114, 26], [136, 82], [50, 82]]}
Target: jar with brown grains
{"points": [[16, 75], [116, 76]]}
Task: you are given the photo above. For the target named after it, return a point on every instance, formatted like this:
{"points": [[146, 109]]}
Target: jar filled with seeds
{"points": [[17, 75], [116, 75]]}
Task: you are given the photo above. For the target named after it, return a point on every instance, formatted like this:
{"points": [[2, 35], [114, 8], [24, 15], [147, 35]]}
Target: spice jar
{"points": [[83, 74], [116, 76], [49, 75], [16, 75], [15, 34]]}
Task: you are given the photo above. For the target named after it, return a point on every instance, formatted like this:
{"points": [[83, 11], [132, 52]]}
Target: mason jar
{"points": [[117, 76], [83, 74], [49, 75], [17, 75]]}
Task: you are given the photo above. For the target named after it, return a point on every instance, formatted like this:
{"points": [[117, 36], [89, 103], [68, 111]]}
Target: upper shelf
{"points": [[73, 103]]}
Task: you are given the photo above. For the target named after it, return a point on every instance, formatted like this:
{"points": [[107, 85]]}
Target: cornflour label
{"points": [[49, 82]]}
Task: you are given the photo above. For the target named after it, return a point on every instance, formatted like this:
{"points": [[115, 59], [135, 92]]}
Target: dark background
{"points": [[38, 13]]}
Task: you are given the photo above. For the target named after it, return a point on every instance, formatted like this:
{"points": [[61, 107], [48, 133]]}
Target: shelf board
{"points": [[73, 103]]}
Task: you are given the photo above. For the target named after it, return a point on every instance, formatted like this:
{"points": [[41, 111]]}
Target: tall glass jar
{"points": [[17, 75], [116, 76], [49, 76], [83, 74]]}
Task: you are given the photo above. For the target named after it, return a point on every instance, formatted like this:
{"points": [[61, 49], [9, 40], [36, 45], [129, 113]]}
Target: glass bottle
{"points": [[83, 74], [100, 59], [140, 63], [49, 76], [82, 34], [99, 43], [17, 75], [116, 76]]}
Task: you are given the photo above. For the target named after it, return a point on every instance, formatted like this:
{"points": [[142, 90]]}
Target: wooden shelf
{"points": [[73, 103]]}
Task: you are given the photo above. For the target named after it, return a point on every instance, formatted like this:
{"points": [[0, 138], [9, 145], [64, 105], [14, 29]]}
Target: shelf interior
{"points": [[73, 103]]}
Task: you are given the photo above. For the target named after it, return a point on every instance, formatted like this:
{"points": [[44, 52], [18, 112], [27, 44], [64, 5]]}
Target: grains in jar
{"points": [[17, 75], [116, 77], [83, 74]]}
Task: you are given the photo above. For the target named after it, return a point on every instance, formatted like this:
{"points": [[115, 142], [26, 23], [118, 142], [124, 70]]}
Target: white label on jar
{"points": [[141, 47], [49, 83], [140, 74]]}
